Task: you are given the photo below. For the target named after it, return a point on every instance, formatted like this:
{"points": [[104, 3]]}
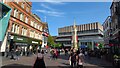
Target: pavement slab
{"points": [[61, 62]]}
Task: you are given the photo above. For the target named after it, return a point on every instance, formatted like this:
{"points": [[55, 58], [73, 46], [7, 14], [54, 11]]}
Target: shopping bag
{"points": [[70, 62]]}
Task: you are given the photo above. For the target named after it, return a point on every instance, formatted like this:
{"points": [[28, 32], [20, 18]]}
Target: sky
{"points": [[61, 14]]}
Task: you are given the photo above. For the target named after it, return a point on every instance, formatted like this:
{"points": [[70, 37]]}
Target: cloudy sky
{"points": [[60, 14]]}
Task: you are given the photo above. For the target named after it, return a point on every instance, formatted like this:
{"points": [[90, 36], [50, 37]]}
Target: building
{"points": [[115, 31], [107, 31], [88, 35], [25, 28], [45, 34]]}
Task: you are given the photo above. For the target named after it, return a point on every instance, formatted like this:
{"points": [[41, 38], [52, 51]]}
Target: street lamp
{"points": [[11, 46]]}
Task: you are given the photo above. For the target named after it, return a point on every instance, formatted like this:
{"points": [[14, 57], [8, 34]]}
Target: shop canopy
{"points": [[83, 46]]}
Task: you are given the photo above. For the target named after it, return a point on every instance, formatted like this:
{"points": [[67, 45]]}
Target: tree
{"points": [[57, 45], [50, 41]]}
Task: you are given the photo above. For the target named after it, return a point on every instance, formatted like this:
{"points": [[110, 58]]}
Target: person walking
{"points": [[39, 63], [17, 53], [7, 52], [80, 60], [56, 54], [73, 58]]}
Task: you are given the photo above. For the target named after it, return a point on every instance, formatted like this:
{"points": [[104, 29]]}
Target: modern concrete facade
{"points": [[107, 30], [88, 34]]}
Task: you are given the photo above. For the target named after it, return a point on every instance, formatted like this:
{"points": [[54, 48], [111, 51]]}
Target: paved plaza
{"points": [[61, 62]]}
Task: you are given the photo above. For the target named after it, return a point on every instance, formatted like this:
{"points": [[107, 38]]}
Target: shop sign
{"points": [[19, 39], [35, 42], [21, 44]]}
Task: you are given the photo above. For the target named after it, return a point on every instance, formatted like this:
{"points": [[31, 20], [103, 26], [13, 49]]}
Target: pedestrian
{"points": [[66, 52], [7, 52], [56, 54], [80, 60], [51, 54], [39, 63], [73, 58], [12, 54], [17, 54]]}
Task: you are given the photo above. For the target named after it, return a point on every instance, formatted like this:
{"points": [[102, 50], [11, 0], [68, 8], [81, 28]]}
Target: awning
{"points": [[83, 46]]}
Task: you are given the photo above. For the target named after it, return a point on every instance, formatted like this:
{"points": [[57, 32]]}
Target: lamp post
{"points": [[11, 46]]}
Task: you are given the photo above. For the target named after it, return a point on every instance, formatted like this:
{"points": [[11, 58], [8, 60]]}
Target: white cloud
{"points": [[47, 7], [52, 13]]}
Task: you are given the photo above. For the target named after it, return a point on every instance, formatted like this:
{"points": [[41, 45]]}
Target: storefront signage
{"points": [[21, 44], [35, 42], [19, 39]]}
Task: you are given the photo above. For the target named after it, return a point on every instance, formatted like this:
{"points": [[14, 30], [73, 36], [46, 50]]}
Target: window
{"points": [[16, 13], [35, 25], [27, 9], [21, 16], [22, 5], [13, 27], [31, 23], [16, 28], [15, 10], [17, 1], [31, 33], [24, 31], [38, 26], [26, 20]]}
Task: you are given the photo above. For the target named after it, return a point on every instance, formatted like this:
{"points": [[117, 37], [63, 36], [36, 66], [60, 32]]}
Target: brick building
{"points": [[25, 28]]}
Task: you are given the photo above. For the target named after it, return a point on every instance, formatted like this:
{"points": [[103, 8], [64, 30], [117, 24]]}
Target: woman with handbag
{"points": [[39, 63]]}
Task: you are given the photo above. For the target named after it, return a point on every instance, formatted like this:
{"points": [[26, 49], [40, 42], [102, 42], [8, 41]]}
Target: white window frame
{"points": [[13, 27], [22, 5], [26, 20]]}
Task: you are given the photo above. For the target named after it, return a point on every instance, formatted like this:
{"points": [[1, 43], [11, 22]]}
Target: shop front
{"points": [[35, 45], [24, 44], [20, 43]]}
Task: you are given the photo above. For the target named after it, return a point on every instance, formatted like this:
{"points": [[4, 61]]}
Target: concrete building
{"points": [[107, 31], [88, 35], [25, 28]]}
